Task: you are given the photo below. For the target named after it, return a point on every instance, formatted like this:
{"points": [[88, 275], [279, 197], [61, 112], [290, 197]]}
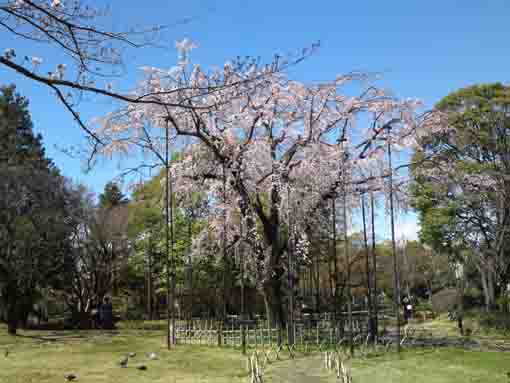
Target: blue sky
{"points": [[423, 49]]}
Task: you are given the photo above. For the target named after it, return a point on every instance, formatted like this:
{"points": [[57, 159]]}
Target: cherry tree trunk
{"points": [[272, 286], [272, 293]]}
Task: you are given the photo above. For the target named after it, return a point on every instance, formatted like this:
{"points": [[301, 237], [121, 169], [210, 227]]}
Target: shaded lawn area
{"points": [[93, 356], [419, 366], [443, 327]]}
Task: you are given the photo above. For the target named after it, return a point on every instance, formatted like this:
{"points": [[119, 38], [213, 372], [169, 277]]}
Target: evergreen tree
{"points": [[35, 214], [461, 184], [19, 145], [112, 196]]}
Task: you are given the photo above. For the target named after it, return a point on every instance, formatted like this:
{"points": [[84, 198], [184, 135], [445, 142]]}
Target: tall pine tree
{"points": [[35, 208], [112, 196], [19, 145]]}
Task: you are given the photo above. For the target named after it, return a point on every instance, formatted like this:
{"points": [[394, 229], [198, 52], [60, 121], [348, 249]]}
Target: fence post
{"points": [[220, 333], [233, 335], [243, 338], [294, 327]]}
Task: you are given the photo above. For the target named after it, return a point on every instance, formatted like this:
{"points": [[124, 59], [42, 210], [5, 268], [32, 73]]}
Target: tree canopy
{"points": [[112, 196], [462, 181], [35, 211]]}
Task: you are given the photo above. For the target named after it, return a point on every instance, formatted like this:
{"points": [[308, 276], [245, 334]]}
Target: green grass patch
{"points": [[424, 366], [93, 356], [473, 323]]}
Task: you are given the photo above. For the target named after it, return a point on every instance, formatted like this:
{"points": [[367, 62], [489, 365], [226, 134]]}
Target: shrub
{"points": [[495, 321], [424, 305], [472, 298], [503, 303], [134, 313]]}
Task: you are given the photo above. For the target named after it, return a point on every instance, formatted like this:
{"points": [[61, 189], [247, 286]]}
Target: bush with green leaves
{"points": [[472, 298]]}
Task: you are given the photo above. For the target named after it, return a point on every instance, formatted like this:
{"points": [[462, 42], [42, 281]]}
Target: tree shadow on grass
{"points": [[68, 335]]}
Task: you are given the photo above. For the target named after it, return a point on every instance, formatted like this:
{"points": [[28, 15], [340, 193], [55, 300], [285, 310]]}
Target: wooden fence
{"points": [[258, 334]]}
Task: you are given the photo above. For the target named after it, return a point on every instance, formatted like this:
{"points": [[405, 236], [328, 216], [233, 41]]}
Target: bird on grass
{"points": [[6, 354], [132, 354], [70, 377], [142, 368], [124, 361], [153, 356]]}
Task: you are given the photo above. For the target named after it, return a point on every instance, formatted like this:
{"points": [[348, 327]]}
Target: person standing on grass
{"points": [[408, 308], [96, 316], [106, 314]]}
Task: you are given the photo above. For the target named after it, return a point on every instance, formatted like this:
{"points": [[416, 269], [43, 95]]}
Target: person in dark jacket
{"points": [[106, 314]]}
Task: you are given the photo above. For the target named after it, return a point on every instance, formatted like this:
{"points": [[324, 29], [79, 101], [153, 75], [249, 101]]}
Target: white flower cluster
{"points": [[36, 61], [276, 182], [234, 127], [302, 246], [253, 232], [60, 71], [9, 53], [184, 46], [276, 178]]}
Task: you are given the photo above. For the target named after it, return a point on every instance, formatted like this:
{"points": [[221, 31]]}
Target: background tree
{"points": [[112, 196], [99, 253], [147, 233], [19, 145], [35, 212], [462, 183]]}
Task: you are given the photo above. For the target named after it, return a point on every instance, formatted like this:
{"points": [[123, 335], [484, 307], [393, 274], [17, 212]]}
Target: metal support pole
{"points": [[347, 257], [224, 243], [167, 239], [241, 265], [367, 267], [374, 268], [290, 325], [394, 247], [172, 262], [335, 263], [348, 267]]}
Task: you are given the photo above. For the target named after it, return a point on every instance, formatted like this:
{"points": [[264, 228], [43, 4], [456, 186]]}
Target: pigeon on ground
{"points": [[124, 362], [153, 356], [70, 377], [142, 368], [132, 354], [6, 354]]}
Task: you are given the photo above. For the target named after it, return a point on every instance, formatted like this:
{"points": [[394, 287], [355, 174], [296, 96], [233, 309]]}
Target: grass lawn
{"points": [[93, 357], [443, 327], [424, 366]]}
